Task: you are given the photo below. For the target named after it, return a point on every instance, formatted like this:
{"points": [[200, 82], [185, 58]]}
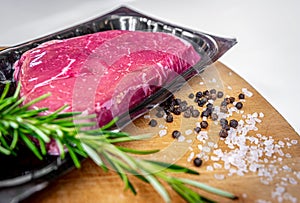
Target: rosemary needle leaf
{"points": [[173, 167], [5, 91], [4, 150], [92, 154], [134, 151], [31, 146], [158, 187], [61, 148], [73, 156], [15, 139], [208, 188]]}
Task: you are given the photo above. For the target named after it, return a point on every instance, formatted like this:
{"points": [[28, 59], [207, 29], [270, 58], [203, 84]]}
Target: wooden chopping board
{"points": [[91, 184]]}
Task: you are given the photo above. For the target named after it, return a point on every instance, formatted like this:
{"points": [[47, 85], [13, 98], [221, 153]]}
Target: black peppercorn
{"points": [[204, 124], [177, 110], [227, 100], [233, 123], [169, 118], [199, 94], [205, 113], [223, 109], [241, 96], [197, 162], [231, 99], [187, 114], [223, 103], [176, 134], [223, 121], [201, 102], [239, 105], [214, 116], [220, 94], [223, 133], [226, 127], [213, 91], [153, 123], [159, 114], [191, 95], [195, 113], [197, 129], [206, 93], [209, 106]]}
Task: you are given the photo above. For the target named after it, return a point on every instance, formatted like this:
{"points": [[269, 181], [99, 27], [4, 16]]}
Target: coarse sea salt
{"points": [[162, 132], [181, 138], [188, 132]]}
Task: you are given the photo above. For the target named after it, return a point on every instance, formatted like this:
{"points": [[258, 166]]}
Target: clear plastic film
{"points": [[152, 59]]}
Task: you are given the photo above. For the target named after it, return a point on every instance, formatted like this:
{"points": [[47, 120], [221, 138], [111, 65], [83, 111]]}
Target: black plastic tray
{"points": [[19, 181]]}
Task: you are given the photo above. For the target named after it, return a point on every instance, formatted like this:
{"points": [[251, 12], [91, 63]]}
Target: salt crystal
{"points": [[229, 87], [201, 83], [191, 156], [181, 138], [254, 115], [206, 158], [261, 114], [191, 148], [189, 141], [293, 181], [209, 168], [288, 144], [281, 143], [288, 155], [294, 142], [206, 149], [200, 147], [188, 132], [219, 176], [214, 158], [204, 118], [286, 168], [210, 144], [198, 124], [214, 80], [146, 116], [253, 167], [162, 133], [247, 92], [217, 165], [161, 126]]}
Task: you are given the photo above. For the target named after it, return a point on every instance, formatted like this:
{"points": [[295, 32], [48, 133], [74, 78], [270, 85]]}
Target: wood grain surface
{"points": [[91, 184]]}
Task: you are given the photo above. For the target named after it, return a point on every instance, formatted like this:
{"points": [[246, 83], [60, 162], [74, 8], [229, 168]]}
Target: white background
{"points": [[267, 53]]}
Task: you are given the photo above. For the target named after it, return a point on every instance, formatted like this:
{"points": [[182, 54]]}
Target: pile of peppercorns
{"points": [[174, 106]]}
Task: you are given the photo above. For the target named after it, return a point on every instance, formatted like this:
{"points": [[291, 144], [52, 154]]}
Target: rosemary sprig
{"points": [[19, 123]]}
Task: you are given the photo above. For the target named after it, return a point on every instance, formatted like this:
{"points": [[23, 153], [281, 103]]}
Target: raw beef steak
{"points": [[104, 73]]}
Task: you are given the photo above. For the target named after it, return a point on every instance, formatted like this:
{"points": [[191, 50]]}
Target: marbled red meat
{"points": [[104, 73]]}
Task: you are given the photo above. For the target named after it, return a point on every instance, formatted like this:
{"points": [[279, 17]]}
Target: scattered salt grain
{"points": [[294, 142], [214, 158], [181, 138], [191, 156], [247, 92], [293, 181], [146, 116], [217, 165], [261, 114], [188, 132], [209, 168], [229, 87], [206, 149], [162, 132], [201, 83], [219, 176], [189, 141]]}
